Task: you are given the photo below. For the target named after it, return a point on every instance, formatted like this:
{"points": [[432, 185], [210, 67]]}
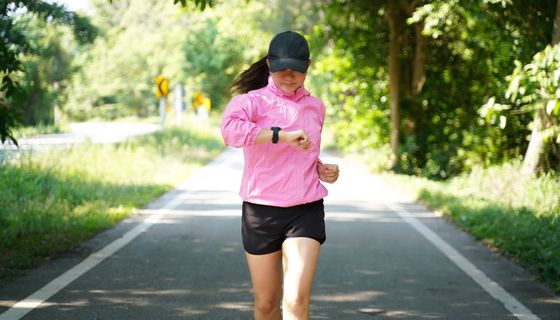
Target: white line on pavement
{"points": [[516, 308], [23, 307], [26, 305]]}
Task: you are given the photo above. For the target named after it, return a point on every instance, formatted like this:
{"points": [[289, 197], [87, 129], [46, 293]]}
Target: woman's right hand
{"points": [[296, 138]]}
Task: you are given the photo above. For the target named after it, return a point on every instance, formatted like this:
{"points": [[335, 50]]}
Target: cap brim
{"points": [[287, 63]]}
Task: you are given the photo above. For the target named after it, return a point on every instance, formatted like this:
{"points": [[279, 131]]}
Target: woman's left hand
{"points": [[328, 172]]}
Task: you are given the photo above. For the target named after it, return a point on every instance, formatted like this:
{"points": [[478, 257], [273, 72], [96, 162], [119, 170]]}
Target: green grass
{"points": [[24, 132], [54, 200], [517, 215]]}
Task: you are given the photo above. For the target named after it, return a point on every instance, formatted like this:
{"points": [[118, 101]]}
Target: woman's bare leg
{"points": [[300, 257], [266, 275]]}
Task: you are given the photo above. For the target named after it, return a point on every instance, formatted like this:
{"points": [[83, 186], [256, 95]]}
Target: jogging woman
{"points": [[278, 124]]}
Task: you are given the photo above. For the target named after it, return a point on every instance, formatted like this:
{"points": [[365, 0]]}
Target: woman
{"points": [[278, 124]]}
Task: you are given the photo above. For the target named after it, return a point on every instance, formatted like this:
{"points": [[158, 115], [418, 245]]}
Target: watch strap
{"points": [[275, 131]]}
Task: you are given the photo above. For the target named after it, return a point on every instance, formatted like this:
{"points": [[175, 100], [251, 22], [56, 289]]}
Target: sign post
{"points": [[162, 90], [179, 104]]}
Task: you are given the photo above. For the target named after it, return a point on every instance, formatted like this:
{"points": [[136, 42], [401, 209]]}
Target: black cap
{"points": [[288, 50]]}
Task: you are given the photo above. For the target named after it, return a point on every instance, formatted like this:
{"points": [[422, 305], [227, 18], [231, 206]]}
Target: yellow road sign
{"points": [[162, 88]]}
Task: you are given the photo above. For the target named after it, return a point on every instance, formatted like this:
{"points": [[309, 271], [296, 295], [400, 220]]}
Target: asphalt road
{"points": [[181, 258]]}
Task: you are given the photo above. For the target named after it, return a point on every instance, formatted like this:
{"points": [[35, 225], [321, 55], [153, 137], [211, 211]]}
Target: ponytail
{"points": [[253, 78]]}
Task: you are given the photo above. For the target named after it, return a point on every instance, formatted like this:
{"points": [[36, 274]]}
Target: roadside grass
{"points": [[514, 214], [53, 200], [23, 132]]}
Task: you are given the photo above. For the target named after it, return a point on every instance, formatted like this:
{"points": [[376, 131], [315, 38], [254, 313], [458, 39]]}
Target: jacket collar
{"points": [[295, 96]]}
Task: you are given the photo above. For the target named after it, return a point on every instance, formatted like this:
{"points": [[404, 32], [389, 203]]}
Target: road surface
{"points": [[181, 258]]}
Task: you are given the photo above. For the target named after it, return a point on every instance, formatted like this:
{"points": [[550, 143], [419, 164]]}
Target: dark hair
{"points": [[253, 78]]}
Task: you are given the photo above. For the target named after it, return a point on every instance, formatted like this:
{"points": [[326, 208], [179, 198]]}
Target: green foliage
{"points": [[350, 75], [466, 67], [198, 3], [45, 73], [14, 42], [143, 39], [117, 74], [533, 87], [471, 47], [213, 57], [52, 201]]}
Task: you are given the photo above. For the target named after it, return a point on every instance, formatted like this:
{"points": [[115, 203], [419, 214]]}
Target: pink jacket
{"points": [[276, 174]]}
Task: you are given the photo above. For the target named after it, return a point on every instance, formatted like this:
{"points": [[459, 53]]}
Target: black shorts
{"points": [[264, 228]]}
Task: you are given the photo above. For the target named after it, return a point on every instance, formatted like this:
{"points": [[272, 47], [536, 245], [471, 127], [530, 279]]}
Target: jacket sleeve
{"points": [[322, 117], [237, 127]]}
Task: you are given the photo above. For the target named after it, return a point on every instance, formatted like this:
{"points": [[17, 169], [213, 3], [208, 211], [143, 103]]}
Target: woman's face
{"points": [[288, 80]]}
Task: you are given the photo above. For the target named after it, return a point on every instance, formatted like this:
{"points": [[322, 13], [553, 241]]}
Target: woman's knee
{"points": [[296, 305], [267, 306]]}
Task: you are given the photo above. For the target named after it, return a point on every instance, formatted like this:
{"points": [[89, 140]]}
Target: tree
{"points": [[14, 42], [549, 106], [383, 22], [398, 14], [201, 51], [533, 89], [453, 56], [47, 70]]}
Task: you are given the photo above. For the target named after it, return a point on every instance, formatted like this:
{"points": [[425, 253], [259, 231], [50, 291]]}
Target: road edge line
{"points": [[23, 307], [513, 305]]}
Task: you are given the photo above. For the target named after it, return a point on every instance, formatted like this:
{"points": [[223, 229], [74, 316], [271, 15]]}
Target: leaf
{"points": [[503, 122], [513, 89], [550, 106]]}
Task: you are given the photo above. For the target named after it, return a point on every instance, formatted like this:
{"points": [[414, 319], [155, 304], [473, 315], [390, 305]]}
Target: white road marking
{"points": [[33, 301], [516, 308], [25, 306], [199, 178]]}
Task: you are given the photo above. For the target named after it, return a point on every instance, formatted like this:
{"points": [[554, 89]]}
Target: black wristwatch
{"points": [[275, 131]]}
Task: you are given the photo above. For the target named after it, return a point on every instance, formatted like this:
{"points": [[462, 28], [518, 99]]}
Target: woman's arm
{"points": [[296, 138], [237, 128]]}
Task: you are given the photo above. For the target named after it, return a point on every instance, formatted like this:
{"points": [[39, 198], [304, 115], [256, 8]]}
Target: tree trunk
{"points": [[419, 67], [556, 27], [418, 77], [395, 35], [535, 149]]}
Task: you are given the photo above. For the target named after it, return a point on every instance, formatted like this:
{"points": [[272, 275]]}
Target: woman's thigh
{"points": [[266, 275], [300, 257]]}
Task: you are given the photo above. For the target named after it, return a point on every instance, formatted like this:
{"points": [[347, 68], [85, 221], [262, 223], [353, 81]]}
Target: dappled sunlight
{"points": [[347, 297], [409, 314], [67, 305], [240, 290], [368, 272], [555, 301], [125, 300], [161, 293], [7, 303], [175, 302], [187, 311], [230, 249], [240, 306]]}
